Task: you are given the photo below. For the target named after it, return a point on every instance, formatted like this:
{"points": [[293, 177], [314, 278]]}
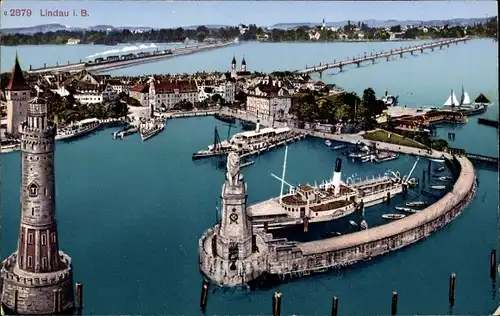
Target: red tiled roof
{"points": [[183, 86], [141, 88], [17, 81]]}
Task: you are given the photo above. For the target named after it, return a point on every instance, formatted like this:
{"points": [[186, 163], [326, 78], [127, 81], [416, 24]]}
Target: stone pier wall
{"points": [[346, 250]]}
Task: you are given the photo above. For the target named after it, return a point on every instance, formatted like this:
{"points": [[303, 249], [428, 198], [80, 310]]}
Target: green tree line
{"points": [[253, 32]]}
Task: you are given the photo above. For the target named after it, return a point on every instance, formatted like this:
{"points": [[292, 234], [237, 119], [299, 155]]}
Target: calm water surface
{"points": [[130, 213]]}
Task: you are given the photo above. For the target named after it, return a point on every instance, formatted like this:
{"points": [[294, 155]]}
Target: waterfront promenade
{"points": [[123, 63], [384, 54]]}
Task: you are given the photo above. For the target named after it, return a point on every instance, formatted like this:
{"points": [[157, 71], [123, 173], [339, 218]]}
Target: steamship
{"points": [[330, 200], [246, 143]]}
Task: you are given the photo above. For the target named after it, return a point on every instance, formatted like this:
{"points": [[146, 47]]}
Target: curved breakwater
{"points": [[345, 250]]}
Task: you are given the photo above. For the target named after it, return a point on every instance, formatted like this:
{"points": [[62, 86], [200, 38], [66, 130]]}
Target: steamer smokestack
{"points": [[336, 175]]}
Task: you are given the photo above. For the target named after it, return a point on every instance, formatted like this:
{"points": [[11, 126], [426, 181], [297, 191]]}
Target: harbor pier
{"points": [[280, 259]]}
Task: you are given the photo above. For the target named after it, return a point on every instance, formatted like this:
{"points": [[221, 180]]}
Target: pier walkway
{"points": [[123, 63], [384, 54]]}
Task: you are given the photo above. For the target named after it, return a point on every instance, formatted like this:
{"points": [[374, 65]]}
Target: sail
{"points": [[452, 100], [464, 98]]}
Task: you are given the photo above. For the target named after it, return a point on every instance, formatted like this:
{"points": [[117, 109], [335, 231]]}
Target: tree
{"points": [[241, 96], [200, 36], [396, 28]]}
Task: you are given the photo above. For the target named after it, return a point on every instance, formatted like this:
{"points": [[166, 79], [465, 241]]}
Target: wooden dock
{"points": [[488, 122]]}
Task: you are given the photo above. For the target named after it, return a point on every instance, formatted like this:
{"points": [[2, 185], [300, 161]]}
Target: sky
{"points": [[166, 14]]}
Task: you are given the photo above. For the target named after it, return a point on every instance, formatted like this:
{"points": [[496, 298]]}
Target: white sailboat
{"points": [[452, 99], [464, 98]]}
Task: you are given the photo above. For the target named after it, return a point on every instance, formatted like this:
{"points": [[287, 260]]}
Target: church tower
{"points": [[17, 95], [234, 238], [37, 279], [243, 65], [233, 68]]}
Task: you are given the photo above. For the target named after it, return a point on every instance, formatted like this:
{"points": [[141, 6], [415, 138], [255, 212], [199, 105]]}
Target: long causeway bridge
{"points": [[384, 54], [122, 62]]}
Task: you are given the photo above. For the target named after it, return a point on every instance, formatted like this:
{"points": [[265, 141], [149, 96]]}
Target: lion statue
{"points": [[233, 168]]}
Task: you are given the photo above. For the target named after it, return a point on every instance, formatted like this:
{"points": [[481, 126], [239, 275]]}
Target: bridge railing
{"points": [[383, 54]]}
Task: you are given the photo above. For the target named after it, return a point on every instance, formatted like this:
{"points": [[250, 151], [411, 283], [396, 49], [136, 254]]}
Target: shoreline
{"points": [[266, 41]]}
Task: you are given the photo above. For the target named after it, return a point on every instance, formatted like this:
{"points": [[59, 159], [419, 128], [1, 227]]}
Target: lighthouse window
{"points": [[44, 239], [29, 261], [30, 238], [44, 262], [53, 237], [33, 190]]}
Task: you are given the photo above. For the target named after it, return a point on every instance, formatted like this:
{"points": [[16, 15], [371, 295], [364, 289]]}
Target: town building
{"points": [[269, 100], [207, 89], [14, 103], [140, 92], [73, 41], [37, 278], [168, 93]]}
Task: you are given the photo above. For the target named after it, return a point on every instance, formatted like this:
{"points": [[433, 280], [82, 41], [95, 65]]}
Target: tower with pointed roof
{"points": [[233, 68], [37, 278], [17, 95], [243, 65]]}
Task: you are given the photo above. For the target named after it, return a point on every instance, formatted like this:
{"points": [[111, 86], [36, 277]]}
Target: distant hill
{"points": [[43, 28], [386, 23], [373, 23]]}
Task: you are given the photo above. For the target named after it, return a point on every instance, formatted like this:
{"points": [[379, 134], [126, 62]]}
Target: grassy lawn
{"points": [[382, 136]]}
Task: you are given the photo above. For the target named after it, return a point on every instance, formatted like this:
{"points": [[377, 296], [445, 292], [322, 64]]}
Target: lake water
{"points": [[130, 213]]}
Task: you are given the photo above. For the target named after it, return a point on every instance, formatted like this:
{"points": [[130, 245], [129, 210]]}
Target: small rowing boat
{"points": [[353, 223], [328, 143], [339, 147], [405, 209], [364, 225], [438, 187], [416, 203], [440, 169], [246, 163], [393, 216], [445, 178], [437, 160]]}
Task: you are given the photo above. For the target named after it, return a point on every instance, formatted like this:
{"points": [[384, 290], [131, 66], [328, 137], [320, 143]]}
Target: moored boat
{"points": [[151, 127], [440, 169], [342, 146], [353, 223], [445, 179], [248, 126], [438, 187], [416, 203], [437, 160], [246, 164], [225, 118], [393, 216], [363, 224], [405, 209], [78, 129]]}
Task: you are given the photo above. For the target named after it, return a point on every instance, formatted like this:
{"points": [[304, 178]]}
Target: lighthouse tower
{"points": [[233, 68], [37, 279], [231, 253], [234, 240]]}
